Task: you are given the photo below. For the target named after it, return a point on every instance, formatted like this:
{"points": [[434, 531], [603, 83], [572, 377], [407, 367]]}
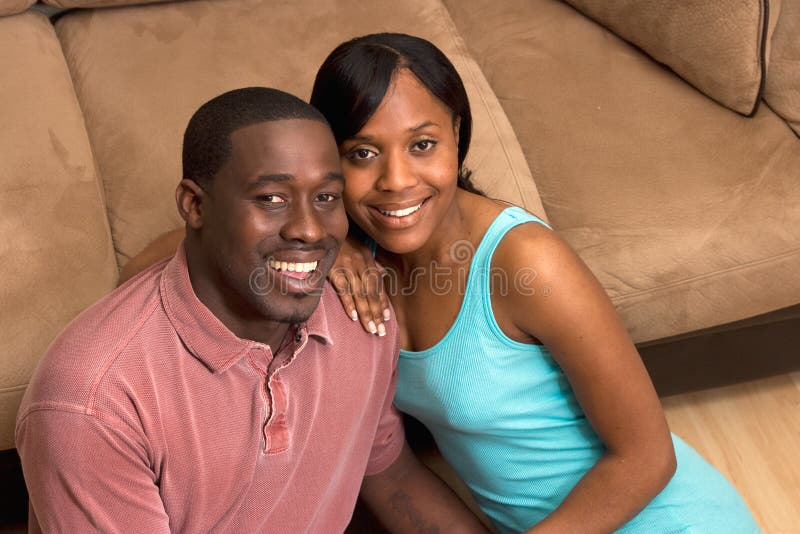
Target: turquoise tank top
{"points": [[504, 416]]}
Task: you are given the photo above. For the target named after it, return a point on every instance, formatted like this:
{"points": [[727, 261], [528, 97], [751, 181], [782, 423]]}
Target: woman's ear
{"points": [[456, 127], [189, 197]]}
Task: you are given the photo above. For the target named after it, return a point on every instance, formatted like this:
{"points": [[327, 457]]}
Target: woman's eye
{"points": [[424, 145], [361, 154]]}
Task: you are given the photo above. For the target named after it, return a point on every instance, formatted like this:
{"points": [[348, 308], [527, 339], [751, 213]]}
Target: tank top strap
{"points": [[508, 219]]}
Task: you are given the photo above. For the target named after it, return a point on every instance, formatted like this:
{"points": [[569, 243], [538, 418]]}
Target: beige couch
{"points": [[677, 178]]}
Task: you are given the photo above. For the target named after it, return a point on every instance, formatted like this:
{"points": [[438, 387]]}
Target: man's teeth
{"points": [[293, 267], [403, 212]]}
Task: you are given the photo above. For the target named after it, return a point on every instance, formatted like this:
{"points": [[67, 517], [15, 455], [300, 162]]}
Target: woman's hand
{"points": [[358, 280]]}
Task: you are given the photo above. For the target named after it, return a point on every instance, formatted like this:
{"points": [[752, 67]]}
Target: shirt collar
{"points": [[203, 333]]}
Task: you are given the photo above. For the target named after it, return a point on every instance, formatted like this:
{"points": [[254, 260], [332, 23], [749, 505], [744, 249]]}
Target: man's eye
{"points": [[271, 199], [329, 197]]}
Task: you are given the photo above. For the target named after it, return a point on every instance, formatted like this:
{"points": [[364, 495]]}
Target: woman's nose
{"points": [[397, 173]]}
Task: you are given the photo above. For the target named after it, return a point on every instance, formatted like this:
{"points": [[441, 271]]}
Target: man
{"points": [[225, 389]]}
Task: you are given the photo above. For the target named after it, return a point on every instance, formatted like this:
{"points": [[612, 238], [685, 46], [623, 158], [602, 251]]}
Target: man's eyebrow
{"points": [[335, 177], [270, 179], [280, 177]]}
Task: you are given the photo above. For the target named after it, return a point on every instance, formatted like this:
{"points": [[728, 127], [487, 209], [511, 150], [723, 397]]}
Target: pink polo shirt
{"points": [[148, 415]]}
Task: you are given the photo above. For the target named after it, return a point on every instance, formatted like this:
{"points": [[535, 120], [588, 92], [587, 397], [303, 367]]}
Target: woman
{"points": [[527, 378], [513, 356]]}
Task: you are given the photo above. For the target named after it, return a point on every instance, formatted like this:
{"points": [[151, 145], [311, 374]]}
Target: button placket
{"points": [[275, 428], [262, 352]]}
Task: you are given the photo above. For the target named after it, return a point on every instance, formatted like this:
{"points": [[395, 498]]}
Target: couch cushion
{"points": [[99, 3], [56, 256], [10, 7], [715, 46], [782, 91], [140, 72], [687, 213]]}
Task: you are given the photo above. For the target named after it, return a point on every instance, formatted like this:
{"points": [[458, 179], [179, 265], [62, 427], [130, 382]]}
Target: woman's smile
{"points": [[401, 215]]}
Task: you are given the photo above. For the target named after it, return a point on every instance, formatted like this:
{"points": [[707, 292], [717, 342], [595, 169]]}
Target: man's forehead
{"points": [[283, 147], [277, 127]]}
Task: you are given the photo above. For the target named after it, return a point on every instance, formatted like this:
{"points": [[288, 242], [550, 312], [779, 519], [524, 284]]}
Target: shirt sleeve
{"points": [[390, 437], [87, 475]]}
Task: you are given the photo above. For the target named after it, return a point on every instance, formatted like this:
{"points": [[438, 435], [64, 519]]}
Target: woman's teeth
{"points": [[401, 213], [293, 267]]}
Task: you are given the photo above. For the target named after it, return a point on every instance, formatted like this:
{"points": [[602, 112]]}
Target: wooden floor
{"points": [[750, 432]]}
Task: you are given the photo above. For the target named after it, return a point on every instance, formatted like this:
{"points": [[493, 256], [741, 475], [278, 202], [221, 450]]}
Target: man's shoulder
{"points": [[92, 340]]}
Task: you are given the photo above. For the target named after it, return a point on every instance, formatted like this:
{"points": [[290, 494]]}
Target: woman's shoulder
{"points": [[535, 247]]}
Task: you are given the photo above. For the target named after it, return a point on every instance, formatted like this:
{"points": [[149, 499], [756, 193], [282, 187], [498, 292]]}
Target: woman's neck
{"points": [[452, 243]]}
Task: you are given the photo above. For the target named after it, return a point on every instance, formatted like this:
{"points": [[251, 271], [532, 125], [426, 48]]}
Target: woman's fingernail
{"points": [[381, 330], [354, 315], [372, 327], [387, 314]]}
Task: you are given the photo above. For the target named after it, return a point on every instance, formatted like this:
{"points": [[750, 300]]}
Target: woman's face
{"points": [[401, 169]]}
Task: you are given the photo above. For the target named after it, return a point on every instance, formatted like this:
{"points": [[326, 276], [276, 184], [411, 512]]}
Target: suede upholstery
{"points": [[716, 46], [98, 3], [688, 212], [782, 91], [56, 256], [10, 7], [678, 206]]}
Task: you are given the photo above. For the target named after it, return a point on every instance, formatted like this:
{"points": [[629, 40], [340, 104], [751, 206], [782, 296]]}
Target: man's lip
{"points": [[294, 259], [294, 256]]}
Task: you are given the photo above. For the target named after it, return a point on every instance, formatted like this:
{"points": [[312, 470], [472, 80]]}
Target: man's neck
{"points": [[225, 308]]}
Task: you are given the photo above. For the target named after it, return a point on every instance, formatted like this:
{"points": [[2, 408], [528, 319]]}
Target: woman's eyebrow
{"points": [[418, 127], [422, 125]]}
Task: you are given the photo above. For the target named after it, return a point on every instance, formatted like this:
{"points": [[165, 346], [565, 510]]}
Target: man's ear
{"points": [[190, 199]]}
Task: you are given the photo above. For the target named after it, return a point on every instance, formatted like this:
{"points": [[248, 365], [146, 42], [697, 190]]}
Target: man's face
{"points": [[274, 219]]}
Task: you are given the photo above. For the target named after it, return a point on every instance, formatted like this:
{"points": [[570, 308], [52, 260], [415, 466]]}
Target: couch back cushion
{"points": [[782, 91], [56, 255], [719, 47], [99, 3], [9, 7], [140, 72]]}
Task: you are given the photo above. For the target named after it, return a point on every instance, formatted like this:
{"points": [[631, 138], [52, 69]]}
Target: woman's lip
{"points": [[391, 221], [399, 206]]}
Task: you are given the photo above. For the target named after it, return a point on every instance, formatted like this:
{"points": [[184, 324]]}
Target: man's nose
{"points": [[303, 223]]}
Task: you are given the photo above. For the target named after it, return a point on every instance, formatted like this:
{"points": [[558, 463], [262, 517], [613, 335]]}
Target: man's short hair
{"points": [[207, 140]]}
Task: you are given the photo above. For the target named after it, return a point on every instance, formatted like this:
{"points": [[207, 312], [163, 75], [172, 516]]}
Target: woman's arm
{"points": [[161, 248], [571, 314]]}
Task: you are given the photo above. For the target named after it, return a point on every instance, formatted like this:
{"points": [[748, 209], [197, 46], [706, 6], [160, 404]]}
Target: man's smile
{"points": [[299, 270]]}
